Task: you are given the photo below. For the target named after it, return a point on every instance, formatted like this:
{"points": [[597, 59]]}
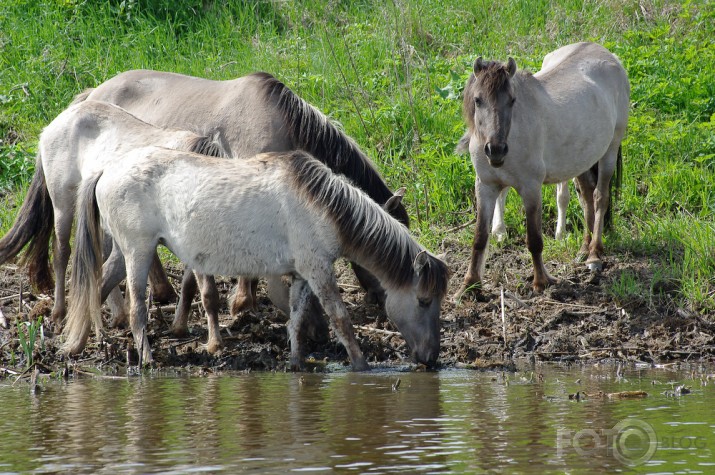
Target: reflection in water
{"points": [[452, 421]]}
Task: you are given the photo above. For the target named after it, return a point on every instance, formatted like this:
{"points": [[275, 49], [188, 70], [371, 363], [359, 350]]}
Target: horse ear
{"points": [[511, 66], [478, 65], [421, 260], [463, 144], [394, 201]]}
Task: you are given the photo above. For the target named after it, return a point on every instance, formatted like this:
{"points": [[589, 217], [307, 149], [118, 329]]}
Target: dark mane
{"points": [[310, 130], [206, 146], [365, 229]]}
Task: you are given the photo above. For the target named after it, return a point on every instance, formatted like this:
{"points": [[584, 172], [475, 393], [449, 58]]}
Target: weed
{"points": [[27, 333]]}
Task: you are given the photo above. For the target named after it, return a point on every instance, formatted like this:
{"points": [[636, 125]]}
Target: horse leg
{"points": [[585, 186], [161, 289], [315, 326], [245, 296], [498, 226], [562, 204], [601, 201], [189, 287], [137, 276], [486, 197], [300, 296], [63, 230], [113, 272], [323, 283], [115, 301], [375, 294], [210, 299], [534, 239]]}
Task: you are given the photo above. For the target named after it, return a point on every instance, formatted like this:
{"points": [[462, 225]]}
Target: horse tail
{"points": [[34, 225], [310, 130], [614, 189], [82, 96], [84, 297]]}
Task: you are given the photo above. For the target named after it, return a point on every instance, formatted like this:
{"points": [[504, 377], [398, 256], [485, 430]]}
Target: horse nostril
{"points": [[487, 150], [506, 149]]}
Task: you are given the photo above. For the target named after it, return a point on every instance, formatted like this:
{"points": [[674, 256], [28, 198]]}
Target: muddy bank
{"points": [[574, 320]]}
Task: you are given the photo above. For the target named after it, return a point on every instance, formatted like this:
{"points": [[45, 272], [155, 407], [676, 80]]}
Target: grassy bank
{"points": [[392, 73]]}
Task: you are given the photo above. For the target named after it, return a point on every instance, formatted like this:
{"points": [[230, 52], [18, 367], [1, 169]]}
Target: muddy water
{"points": [[446, 422]]}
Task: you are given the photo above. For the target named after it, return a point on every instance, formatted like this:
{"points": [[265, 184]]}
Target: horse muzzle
{"points": [[427, 358], [495, 153]]}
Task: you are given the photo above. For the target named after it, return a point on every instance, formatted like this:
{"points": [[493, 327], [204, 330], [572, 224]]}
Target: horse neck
{"points": [[386, 250], [310, 130], [368, 235]]}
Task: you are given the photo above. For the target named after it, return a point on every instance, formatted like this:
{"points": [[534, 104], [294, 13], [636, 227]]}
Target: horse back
{"points": [[586, 71], [231, 110], [213, 213]]}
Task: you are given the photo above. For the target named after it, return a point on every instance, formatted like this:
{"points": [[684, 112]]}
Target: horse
{"points": [[281, 213], [87, 136], [562, 201], [566, 121], [249, 115]]}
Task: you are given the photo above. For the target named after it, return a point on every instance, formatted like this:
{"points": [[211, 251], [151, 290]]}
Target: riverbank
{"points": [[578, 320]]}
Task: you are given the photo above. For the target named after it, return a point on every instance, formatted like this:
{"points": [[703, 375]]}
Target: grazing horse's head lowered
{"points": [[488, 102]]}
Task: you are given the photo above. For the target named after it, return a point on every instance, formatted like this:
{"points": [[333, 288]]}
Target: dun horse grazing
{"points": [[524, 130], [211, 213], [84, 138], [249, 115]]}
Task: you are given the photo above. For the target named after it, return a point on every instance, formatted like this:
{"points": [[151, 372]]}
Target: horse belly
{"points": [[576, 140], [248, 236]]}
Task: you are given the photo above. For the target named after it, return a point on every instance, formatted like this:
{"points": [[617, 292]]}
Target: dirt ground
{"points": [[574, 320]]}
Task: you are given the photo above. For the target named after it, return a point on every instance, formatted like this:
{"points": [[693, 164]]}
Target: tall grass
{"points": [[391, 73]]}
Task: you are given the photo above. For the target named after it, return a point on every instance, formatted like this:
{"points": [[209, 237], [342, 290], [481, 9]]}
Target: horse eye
{"points": [[513, 100], [424, 303], [477, 101]]}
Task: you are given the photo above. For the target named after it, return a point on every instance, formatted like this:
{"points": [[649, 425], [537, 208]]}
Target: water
{"points": [[446, 422]]}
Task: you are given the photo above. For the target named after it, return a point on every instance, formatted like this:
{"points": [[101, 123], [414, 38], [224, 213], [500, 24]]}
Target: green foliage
{"points": [[391, 73], [16, 165], [27, 333]]}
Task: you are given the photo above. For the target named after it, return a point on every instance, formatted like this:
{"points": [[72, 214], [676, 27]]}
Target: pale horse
{"points": [[525, 130], [211, 214], [84, 138], [249, 115]]}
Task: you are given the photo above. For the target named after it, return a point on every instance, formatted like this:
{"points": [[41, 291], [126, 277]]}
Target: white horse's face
{"points": [[417, 319], [493, 101], [416, 310]]}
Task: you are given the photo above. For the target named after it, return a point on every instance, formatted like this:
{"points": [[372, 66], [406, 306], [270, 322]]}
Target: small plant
{"points": [[27, 334]]}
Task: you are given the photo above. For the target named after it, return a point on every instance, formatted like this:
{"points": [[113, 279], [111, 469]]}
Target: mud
{"points": [[577, 319]]}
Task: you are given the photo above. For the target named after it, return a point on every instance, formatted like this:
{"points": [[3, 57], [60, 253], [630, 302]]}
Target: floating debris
{"points": [[627, 395]]}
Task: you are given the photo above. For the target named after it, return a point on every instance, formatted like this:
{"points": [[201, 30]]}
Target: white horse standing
{"points": [[212, 214], [525, 130], [86, 137]]}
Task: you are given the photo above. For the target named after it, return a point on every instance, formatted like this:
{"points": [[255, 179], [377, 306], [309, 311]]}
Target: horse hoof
{"points": [[240, 305], [180, 332], [466, 290], [164, 295], [214, 347], [595, 266], [361, 366], [119, 321]]}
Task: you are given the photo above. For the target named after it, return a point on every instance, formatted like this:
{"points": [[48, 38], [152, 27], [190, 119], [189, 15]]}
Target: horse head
{"points": [[415, 307], [488, 103]]}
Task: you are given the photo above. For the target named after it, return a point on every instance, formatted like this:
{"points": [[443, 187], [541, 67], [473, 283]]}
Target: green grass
{"points": [[391, 73]]}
